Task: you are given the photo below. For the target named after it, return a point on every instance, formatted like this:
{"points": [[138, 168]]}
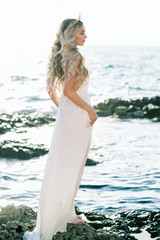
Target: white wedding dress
{"points": [[64, 168]]}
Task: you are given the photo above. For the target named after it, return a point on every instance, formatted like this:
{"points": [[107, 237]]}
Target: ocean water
{"points": [[128, 174]]}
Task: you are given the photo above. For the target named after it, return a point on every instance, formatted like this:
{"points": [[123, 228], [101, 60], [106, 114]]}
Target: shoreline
{"points": [[122, 225]]}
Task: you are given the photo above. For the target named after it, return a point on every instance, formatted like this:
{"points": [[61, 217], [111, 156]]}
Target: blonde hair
{"points": [[62, 59]]}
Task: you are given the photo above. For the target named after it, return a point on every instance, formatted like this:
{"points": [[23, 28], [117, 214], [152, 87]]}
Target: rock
{"points": [[21, 150], [121, 111], [132, 108], [15, 220], [12, 122], [96, 224], [13, 230], [78, 232], [94, 216], [91, 162], [135, 230], [108, 222], [78, 211], [20, 213], [108, 236]]}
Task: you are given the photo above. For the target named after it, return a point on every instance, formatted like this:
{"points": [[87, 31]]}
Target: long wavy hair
{"points": [[62, 57]]}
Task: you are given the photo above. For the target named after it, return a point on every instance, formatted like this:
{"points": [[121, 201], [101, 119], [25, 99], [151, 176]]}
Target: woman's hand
{"points": [[92, 115]]}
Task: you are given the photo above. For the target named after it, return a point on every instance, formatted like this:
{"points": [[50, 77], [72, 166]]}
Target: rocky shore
{"points": [[20, 122], [133, 108], [15, 220]]}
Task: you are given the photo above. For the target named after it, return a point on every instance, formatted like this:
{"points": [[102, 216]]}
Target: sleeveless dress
{"points": [[65, 164]]}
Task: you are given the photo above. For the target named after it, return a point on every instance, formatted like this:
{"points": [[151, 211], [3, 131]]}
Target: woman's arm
{"points": [[54, 97], [69, 89], [74, 97]]}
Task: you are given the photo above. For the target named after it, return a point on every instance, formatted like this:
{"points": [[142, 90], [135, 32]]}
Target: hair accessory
{"points": [[79, 17]]}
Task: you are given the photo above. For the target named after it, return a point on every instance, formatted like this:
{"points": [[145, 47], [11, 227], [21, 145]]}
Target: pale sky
{"points": [[28, 27]]}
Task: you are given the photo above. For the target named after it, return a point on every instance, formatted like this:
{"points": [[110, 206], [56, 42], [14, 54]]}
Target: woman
{"points": [[72, 133]]}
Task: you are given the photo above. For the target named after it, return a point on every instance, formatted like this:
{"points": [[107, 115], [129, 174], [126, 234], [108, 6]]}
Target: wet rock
{"points": [[78, 232], [108, 222], [78, 211], [107, 236], [132, 108], [121, 110], [94, 216], [12, 122], [96, 224], [13, 230], [120, 225], [21, 150], [91, 162], [154, 224], [136, 219], [134, 230], [20, 213], [14, 221]]}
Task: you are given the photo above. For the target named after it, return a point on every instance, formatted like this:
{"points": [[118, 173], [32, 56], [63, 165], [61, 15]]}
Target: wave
{"points": [[132, 108]]}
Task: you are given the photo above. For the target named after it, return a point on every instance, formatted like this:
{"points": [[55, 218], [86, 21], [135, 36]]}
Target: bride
{"points": [[72, 133]]}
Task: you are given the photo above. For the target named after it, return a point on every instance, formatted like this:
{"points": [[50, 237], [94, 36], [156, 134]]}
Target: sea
{"points": [[127, 176]]}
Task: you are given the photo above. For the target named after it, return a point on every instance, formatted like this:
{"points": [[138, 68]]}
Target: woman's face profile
{"points": [[80, 36]]}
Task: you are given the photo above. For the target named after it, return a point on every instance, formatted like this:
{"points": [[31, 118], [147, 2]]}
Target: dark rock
{"points": [[121, 111], [108, 222], [107, 236], [78, 232], [94, 216], [156, 218], [136, 218], [154, 229], [126, 236], [96, 224], [143, 216], [21, 150], [153, 224], [151, 215], [121, 225], [78, 211], [12, 122], [132, 108], [135, 230], [14, 221], [91, 162], [20, 213]]}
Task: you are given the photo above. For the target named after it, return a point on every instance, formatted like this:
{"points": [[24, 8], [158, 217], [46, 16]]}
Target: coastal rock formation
{"points": [[91, 162], [21, 150], [15, 220], [14, 122], [132, 108]]}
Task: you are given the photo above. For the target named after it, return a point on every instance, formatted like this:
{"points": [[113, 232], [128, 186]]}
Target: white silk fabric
{"points": [[65, 164]]}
